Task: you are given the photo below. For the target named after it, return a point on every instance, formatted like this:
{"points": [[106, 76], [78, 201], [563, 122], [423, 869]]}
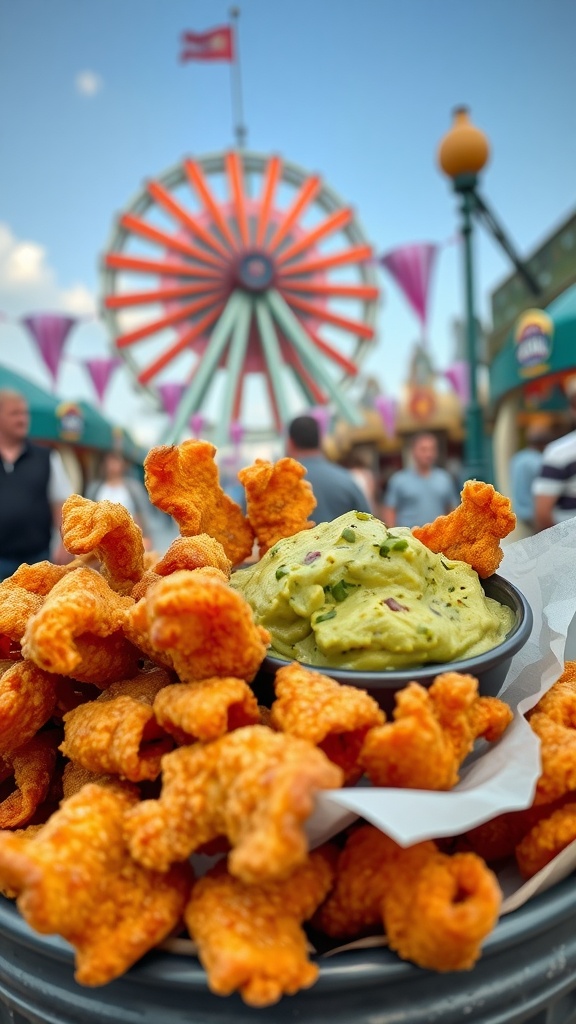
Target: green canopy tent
{"points": [[60, 421]]}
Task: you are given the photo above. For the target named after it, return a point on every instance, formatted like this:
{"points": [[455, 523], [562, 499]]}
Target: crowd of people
{"points": [[34, 485]]}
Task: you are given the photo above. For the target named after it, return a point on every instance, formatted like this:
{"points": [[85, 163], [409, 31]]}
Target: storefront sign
{"points": [[533, 342], [70, 420]]}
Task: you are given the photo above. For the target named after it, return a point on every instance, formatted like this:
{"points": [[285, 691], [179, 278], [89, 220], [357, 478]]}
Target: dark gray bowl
{"points": [[489, 668]]}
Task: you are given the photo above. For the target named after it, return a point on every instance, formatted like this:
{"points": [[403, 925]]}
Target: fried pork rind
{"points": [[118, 733], [31, 767], [185, 553], [76, 879], [78, 631], [28, 696], [473, 531], [75, 777], [207, 709], [436, 910], [107, 531], [546, 840], [183, 481], [278, 500], [432, 732], [250, 937], [38, 578], [333, 717], [252, 785], [196, 623], [23, 593]]}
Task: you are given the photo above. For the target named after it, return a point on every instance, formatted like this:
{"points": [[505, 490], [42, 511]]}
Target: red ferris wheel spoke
{"points": [[140, 227], [333, 223], [333, 354], [354, 326], [145, 375], [303, 199], [235, 175], [118, 262], [198, 181], [273, 172], [357, 254], [293, 360], [342, 291], [166, 321], [163, 198], [158, 295]]}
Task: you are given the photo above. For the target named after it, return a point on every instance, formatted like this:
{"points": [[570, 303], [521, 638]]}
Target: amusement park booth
{"points": [[532, 348], [77, 429]]}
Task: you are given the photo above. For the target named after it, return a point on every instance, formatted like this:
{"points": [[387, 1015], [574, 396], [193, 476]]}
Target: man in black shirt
{"points": [[33, 488]]}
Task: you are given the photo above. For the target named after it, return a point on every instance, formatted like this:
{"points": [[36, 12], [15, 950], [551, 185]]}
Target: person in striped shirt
{"points": [[554, 488]]}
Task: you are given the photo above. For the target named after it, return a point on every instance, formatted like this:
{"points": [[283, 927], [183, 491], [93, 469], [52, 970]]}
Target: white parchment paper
{"points": [[502, 777]]}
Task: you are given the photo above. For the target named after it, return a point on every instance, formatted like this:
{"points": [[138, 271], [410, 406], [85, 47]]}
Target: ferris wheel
{"points": [[236, 266]]}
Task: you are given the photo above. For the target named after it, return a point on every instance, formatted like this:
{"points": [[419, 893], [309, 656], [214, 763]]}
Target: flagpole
{"points": [[240, 130]]}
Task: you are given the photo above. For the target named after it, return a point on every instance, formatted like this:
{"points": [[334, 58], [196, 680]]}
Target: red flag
{"points": [[218, 44]]}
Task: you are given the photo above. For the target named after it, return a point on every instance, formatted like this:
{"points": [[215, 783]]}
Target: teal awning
{"points": [[542, 343], [62, 421]]}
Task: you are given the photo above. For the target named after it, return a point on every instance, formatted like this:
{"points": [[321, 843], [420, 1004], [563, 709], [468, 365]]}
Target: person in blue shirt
{"points": [[419, 494], [335, 490], [525, 466]]}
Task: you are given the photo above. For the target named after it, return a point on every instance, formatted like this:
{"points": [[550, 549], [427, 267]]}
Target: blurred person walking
{"points": [[33, 487], [335, 490], [554, 488], [115, 484], [525, 466], [418, 494]]}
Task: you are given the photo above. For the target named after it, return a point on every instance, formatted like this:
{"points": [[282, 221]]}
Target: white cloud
{"points": [[88, 83], [78, 300]]}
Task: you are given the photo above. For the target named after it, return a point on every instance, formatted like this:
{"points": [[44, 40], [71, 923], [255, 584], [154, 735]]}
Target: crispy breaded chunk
{"points": [[473, 531], [546, 839], [28, 697], [78, 631], [183, 481], [192, 553], [432, 732], [118, 733], [278, 500], [75, 878], [334, 717], [31, 768], [252, 785], [199, 626], [206, 709], [107, 531], [250, 937]]}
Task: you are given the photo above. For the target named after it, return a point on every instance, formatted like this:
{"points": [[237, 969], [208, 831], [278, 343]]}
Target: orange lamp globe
{"points": [[464, 149]]}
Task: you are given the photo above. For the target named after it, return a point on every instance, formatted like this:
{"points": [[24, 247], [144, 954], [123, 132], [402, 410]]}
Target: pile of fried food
{"points": [[131, 739]]}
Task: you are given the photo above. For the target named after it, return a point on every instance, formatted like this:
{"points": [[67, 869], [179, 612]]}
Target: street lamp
{"points": [[462, 154]]}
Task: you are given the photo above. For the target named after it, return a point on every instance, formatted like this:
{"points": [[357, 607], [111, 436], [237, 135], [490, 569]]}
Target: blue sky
{"points": [[94, 100]]}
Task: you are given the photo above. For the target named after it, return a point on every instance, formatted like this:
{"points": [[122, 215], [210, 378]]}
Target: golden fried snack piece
{"points": [[30, 767], [183, 481], [278, 500], [546, 840], [333, 717], [439, 909], [558, 753], [364, 870], [252, 785], [75, 777], [432, 732], [16, 607], [118, 733], [28, 697], [559, 702], [473, 531], [206, 709], [78, 631], [198, 625], [76, 879], [107, 531], [38, 578], [250, 937], [185, 553], [436, 910]]}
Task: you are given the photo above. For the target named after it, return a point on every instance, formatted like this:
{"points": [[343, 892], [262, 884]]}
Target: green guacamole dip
{"points": [[354, 594]]}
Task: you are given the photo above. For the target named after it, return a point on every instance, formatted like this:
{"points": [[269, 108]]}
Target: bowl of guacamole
{"points": [[373, 606]]}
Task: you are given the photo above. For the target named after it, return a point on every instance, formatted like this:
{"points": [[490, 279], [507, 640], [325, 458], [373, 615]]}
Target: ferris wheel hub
{"points": [[255, 271]]}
